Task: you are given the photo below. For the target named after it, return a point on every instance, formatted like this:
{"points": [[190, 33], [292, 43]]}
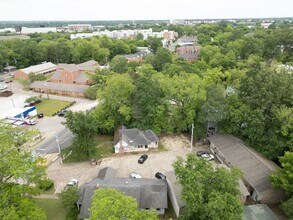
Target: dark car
{"points": [[160, 176], [62, 112], [40, 115], [199, 153], [142, 158]]}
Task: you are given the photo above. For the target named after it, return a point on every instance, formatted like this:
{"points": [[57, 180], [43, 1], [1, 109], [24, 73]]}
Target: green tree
{"points": [[20, 175], [68, 199], [112, 204], [36, 77], [154, 43], [115, 103], [283, 179], [208, 193], [119, 64], [84, 127]]}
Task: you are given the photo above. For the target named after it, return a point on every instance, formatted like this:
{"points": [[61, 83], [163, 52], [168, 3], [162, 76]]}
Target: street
{"points": [[50, 146]]}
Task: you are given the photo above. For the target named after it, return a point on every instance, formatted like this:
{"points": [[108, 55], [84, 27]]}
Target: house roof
{"points": [[9, 67], [88, 65], [59, 86], [189, 47], [255, 169], [189, 56], [82, 78], [150, 135], [69, 67], [40, 68], [259, 212], [149, 193]]}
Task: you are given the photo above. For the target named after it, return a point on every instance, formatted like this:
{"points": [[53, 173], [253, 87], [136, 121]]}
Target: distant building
{"points": [[187, 41], [80, 27], [11, 37], [64, 89], [43, 68], [188, 53], [138, 56], [26, 30], [7, 30], [9, 69], [74, 73]]}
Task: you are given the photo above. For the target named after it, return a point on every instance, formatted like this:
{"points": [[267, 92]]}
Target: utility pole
{"points": [[59, 149], [191, 141]]}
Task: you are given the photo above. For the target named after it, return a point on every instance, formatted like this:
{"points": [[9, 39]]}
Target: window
{"points": [[66, 74]]}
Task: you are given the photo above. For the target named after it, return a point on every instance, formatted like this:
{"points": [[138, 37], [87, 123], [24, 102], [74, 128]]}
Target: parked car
{"points": [[160, 176], [2, 87], [29, 121], [72, 182], [62, 113], [142, 158], [40, 115], [135, 175], [199, 153], [207, 156]]}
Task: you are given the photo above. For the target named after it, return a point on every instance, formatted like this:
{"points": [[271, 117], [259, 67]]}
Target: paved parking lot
{"points": [[124, 164]]}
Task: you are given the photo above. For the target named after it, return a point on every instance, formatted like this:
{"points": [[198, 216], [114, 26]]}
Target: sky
{"points": [[50, 10]]}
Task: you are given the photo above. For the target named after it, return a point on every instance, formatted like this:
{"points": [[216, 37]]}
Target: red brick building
{"points": [[188, 53]]}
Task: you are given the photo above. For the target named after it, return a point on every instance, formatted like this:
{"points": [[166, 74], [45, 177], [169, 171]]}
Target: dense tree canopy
{"points": [[113, 204], [20, 175], [283, 179], [208, 193]]}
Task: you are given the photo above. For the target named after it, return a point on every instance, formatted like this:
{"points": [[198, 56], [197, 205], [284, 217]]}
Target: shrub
{"points": [[46, 184]]}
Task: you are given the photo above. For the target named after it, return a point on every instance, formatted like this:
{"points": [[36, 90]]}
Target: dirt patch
{"points": [[175, 142]]}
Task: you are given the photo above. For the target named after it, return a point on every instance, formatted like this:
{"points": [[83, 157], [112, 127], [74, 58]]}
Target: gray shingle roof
{"points": [[82, 78], [259, 212], [70, 67], [149, 193], [134, 137], [88, 65], [189, 56], [255, 171], [59, 86], [150, 135]]}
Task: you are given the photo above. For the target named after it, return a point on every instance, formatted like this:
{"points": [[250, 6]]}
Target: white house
{"points": [[135, 140]]}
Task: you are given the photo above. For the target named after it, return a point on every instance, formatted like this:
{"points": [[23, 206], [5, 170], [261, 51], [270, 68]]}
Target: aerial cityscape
{"points": [[146, 110]]}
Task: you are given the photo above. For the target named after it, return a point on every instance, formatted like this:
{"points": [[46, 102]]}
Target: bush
{"points": [[46, 184], [91, 92]]}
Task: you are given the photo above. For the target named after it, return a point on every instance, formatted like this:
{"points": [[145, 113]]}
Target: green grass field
{"points": [[53, 208], [50, 106]]}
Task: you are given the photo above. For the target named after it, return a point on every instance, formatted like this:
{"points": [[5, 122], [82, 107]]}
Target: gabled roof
{"points": [[256, 170], [40, 68], [69, 67], [135, 137], [88, 65], [150, 135], [149, 193], [82, 78]]}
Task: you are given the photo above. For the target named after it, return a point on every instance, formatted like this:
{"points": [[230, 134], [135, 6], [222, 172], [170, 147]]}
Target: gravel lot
{"points": [[177, 145]]}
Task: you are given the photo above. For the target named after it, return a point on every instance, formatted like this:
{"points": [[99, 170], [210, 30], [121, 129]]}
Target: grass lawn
{"points": [[53, 208], [104, 149], [50, 106]]}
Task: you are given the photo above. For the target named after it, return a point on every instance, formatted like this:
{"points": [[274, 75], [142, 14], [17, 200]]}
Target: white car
{"points": [[29, 121], [2, 87], [135, 175], [72, 182], [207, 157]]}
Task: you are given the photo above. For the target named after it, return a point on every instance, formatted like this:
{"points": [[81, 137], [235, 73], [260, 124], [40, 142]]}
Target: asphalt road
{"points": [[50, 146]]}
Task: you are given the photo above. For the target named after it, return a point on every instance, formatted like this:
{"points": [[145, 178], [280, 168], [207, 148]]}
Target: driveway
{"points": [[124, 164]]}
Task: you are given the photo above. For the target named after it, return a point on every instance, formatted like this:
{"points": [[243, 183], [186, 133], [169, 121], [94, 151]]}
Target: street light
{"points": [[59, 148], [46, 85]]}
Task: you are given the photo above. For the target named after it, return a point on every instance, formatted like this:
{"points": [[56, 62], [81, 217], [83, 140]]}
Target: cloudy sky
{"points": [[142, 9]]}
